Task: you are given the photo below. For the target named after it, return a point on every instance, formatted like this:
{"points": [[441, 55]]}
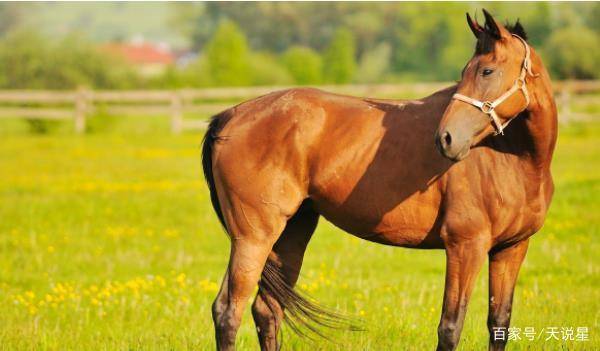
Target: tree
{"points": [[339, 58], [267, 70], [73, 61], [374, 64], [191, 20], [12, 15], [592, 18], [424, 33], [539, 25], [197, 74], [271, 26], [428, 41], [22, 60], [304, 64], [572, 52], [227, 56]]}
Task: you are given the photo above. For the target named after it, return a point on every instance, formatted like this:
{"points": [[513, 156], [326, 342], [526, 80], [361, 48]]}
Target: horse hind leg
{"points": [[280, 275], [277, 301], [253, 230]]}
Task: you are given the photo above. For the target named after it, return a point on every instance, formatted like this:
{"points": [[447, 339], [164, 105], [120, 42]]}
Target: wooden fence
{"points": [[78, 105]]}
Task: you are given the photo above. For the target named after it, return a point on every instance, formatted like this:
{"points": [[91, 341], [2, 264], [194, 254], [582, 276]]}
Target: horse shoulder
{"points": [[494, 195]]}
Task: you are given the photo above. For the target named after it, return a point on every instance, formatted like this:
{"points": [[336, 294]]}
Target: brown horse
{"points": [[276, 163]]}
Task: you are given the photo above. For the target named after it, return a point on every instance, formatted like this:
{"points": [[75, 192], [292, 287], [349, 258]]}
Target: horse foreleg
{"points": [[504, 269], [463, 262]]}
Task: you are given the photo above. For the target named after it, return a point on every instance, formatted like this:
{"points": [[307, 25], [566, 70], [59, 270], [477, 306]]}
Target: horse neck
{"points": [[542, 122]]}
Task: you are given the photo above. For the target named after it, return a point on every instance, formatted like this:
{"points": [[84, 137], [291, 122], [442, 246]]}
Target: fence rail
{"points": [[78, 105]]}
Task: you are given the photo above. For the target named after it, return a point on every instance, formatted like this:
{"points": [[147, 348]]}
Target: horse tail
{"points": [[301, 313], [215, 125]]}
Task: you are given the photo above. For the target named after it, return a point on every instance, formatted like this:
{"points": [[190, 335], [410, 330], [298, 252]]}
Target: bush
{"points": [[304, 64], [29, 61], [23, 60], [42, 126], [227, 56], [100, 122], [197, 74], [227, 61], [374, 64], [266, 70], [339, 58], [573, 53]]}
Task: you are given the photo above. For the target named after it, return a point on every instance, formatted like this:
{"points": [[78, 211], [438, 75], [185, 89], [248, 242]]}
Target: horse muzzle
{"points": [[450, 146]]}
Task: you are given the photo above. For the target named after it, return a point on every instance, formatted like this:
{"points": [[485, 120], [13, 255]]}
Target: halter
{"points": [[488, 107]]}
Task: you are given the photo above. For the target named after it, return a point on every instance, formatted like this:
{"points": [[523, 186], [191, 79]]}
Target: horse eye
{"points": [[487, 72]]}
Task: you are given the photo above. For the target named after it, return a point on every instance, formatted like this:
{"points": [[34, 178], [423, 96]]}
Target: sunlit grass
{"points": [[108, 241]]}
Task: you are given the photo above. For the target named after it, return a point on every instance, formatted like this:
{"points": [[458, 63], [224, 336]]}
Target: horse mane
{"points": [[516, 29]]}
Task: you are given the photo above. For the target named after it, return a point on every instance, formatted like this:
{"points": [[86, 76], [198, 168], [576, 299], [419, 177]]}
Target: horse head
{"points": [[492, 91]]}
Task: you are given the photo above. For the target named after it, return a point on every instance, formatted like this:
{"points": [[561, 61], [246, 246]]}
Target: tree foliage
{"points": [[265, 69], [374, 64], [28, 60], [427, 41], [266, 43], [227, 56], [339, 60], [304, 64], [573, 52]]}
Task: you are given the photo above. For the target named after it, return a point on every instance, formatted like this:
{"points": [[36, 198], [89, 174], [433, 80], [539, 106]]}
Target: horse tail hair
{"points": [[216, 124], [301, 313]]}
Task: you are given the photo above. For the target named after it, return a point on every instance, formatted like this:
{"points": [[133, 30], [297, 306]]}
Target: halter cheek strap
{"points": [[489, 107]]}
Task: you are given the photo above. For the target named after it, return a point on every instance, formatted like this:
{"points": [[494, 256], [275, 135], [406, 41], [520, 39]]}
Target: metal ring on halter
{"points": [[487, 107], [520, 83]]}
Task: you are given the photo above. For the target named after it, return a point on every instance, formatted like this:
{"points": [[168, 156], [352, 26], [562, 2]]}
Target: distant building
{"points": [[148, 58]]}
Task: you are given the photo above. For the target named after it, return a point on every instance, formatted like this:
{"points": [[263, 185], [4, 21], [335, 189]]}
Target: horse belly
{"points": [[414, 223]]}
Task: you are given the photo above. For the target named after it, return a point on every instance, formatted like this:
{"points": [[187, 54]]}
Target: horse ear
{"points": [[493, 28], [475, 27]]}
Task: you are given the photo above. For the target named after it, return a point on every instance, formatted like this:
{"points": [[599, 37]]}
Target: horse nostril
{"points": [[447, 139]]}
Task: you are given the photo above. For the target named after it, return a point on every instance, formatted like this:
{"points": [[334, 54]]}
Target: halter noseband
{"points": [[488, 107]]}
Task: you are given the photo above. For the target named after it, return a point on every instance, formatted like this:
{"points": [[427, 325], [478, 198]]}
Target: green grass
{"points": [[108, 241]]}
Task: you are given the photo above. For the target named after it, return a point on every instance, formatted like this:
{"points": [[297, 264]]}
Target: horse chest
{"points": [[525, 217], [509, 209]]}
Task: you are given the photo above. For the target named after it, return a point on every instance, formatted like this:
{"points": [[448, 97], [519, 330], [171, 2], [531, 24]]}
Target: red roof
{"points": [[144, 53]]}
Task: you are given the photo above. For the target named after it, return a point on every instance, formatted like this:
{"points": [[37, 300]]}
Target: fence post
{"points": [[176, 112], [80, 110], [565, 103]]}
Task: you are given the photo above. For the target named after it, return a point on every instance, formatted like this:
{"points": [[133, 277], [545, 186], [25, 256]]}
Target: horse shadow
{"points": [[407, 161]]}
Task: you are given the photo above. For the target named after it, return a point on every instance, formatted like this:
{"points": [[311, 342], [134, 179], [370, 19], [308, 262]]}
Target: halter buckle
{"points": [[487, 107], [520, 83]]}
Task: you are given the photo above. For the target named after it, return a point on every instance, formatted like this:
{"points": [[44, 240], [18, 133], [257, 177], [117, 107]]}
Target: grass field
{"points": [[108, 242]]}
